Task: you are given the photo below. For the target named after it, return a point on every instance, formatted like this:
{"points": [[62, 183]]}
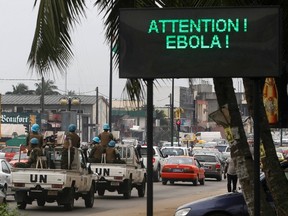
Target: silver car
{"points": [[5, 176]]}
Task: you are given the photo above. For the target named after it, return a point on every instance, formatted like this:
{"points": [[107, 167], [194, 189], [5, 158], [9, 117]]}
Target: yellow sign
{"points": [[229, 134], [262, 151]]}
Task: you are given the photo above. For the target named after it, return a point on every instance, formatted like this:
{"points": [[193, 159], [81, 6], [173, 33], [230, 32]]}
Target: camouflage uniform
{"points": [[34, 154], [112, 155], [95, 155], [34, 135], [105, 138], [75, 142]]}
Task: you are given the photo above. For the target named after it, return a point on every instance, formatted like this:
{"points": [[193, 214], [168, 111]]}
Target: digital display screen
{"points": [[200, 42]]}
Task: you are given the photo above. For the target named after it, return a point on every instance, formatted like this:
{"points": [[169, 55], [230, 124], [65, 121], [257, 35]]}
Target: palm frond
{"points": [[51, 46]]}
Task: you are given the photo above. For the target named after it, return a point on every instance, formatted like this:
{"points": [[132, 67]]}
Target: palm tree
{"points": [[49, 88], [21, 89], [51, 50]]}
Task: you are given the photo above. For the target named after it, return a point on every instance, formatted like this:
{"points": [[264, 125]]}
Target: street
{"points": [[166, 198]]}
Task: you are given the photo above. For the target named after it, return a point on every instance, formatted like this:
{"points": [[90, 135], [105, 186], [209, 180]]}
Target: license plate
{"points": [[115, 183], [206, 167], [52, 193], [177, 170]]}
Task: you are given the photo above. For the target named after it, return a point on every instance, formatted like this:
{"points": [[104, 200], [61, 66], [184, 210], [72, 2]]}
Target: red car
{"points": [[10, 151], [183, 168]]}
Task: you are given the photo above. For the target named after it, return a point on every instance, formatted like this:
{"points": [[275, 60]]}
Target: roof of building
{"points": [[48, 99]]}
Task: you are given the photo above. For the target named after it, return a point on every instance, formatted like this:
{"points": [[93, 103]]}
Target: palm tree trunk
{"points": [[275, 177], [240, 152]]}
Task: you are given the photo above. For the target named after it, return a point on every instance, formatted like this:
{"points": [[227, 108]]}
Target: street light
{"points": [[69, 101]]}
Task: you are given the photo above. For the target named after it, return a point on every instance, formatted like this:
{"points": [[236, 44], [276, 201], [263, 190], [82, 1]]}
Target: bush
{"points": [[6, 211]]}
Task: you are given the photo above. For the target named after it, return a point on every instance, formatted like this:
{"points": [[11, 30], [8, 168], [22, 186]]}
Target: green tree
{"points": [[48, 87], [21, 89]]}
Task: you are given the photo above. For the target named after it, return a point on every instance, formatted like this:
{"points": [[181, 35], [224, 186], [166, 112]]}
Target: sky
{"points": [[90, 67]]}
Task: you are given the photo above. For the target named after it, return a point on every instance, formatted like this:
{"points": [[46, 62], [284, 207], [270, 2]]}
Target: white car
{"points": [[158, 161], [174, 151], [5, 176]]}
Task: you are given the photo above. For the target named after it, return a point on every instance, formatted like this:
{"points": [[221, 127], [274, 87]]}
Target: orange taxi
{"points": [[182, 168]]}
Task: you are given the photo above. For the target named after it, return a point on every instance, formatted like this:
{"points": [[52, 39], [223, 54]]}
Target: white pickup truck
{"points": [[122, 177], [53, 183]]}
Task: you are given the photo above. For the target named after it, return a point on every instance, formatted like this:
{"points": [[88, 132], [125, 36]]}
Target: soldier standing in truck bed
{"points": [[34, 134], [106, 136], [72, 140], [95, 155]]}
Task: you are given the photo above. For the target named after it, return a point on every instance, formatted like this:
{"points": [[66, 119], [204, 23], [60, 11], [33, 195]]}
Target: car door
{"points": [[5, 173], [201, 169]]}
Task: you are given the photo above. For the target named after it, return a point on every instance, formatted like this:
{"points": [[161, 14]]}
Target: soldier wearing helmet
{"points": [[35, 133], [35, 152], [96, 152], [106, 136], [72, 140], [112, 155]]}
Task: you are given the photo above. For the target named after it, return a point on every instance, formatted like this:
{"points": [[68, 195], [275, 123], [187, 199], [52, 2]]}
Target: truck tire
{"points": [[40, 202], [127, 193], [70, 198], [101, 191], [89, 198], [21, 205], [141, 188]]}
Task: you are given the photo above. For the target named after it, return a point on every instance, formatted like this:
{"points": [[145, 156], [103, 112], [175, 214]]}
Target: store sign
{"points": [[19, 118], [200, 42]]}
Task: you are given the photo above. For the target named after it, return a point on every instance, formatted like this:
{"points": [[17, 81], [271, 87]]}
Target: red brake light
{"points": [[218, 166], [153, 160]]}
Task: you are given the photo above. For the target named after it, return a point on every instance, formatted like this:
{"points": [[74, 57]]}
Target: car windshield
{"points": [[221, 148], [205, 158], [172, 151], [179, 160], [144, 151]]}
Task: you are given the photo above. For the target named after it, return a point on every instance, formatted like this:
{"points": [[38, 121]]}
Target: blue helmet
{"points": [[34, 141], [112, 143], [106, 127], [35, 128], [96, 140], [72, 128]]}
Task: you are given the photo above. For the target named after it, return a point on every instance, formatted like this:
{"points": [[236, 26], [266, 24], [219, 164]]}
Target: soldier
{"points": [[72, 140], [112, 155], [106, 136], [34, 133], [96, 152], [35, 153]]}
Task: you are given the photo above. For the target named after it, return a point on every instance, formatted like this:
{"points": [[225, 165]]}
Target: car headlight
{"points": [[182, 212]]}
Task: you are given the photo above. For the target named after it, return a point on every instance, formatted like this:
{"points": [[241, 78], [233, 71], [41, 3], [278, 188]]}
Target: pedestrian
{"points": [[35, 133], [71, 141], [106, 136], [35, 153], [232, 178], [95, 155], [112, 155]]}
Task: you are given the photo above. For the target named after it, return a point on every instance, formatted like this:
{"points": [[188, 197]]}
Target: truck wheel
{"points": [[89, 198], [21, 205], [156, 176], [70, 197], [40, 202], [164, 182], [141, 189], [101, 192], [127, 193]]}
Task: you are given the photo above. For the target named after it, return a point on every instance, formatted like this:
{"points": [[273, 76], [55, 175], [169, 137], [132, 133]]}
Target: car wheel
{"points": [[70, 197], [219, 178], [164, 182], [4, 190], [89, 198], [127, 193], [141, 188], [40, 202], [157, 176], [101, 192], [172, 182]]}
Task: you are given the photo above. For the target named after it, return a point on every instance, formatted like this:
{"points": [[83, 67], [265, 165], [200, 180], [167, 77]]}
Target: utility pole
{"points": [[96, 114], [172, 112]]}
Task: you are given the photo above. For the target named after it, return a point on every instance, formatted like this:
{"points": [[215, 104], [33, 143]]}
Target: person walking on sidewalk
{"points": [[232, 178]]}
